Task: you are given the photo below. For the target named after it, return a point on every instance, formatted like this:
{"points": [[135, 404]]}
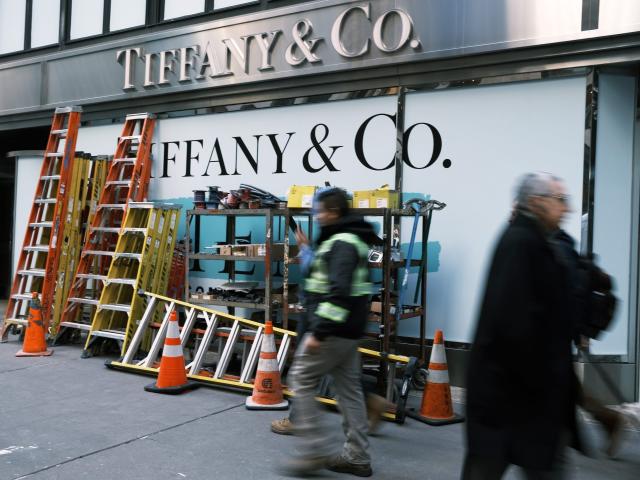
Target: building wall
{"points": [[540, 127]]}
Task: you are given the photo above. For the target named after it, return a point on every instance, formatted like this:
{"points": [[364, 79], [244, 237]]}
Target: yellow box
{"points": [[379, 198], [362, 198], [384, 198], [301, 196]]}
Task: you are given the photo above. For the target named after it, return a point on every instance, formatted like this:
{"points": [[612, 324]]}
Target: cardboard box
{"points": [[301, 196], [361, 198], [384, 198], [224, 250], [381, 197]]}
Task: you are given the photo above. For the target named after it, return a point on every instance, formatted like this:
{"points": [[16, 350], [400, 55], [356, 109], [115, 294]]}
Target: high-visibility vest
{"points": [[318, 281]]}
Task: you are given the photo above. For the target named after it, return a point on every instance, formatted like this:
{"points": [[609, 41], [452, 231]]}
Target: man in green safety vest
{"points": [[337, 289]]}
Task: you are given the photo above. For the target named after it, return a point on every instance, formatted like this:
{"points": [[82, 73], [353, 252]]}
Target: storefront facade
{"points": [[450, 100]]}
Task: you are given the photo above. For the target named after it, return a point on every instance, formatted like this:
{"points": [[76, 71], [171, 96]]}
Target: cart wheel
{"points": [[419, 379]]}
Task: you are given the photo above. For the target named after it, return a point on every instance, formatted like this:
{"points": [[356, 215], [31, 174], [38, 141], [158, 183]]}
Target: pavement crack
{"points": [[27, 367], [131, 440]]}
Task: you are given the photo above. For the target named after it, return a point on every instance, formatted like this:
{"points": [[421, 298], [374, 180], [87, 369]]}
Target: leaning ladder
{"points": [[38, 262], [88, 180], [142, 259], [127, 180]]}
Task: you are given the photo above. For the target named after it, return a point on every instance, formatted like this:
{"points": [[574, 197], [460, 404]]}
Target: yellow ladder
{"points": [[141, 262], [89, 174]]}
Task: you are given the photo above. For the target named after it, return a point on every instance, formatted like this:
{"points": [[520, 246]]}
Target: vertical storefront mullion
{"points": [[591, 130], [634, 326]]}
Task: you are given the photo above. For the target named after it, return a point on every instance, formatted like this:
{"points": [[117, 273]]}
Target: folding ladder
{"points": [[204, 327], [89, 175], [142, 261], [127, 180], [38, 262]]}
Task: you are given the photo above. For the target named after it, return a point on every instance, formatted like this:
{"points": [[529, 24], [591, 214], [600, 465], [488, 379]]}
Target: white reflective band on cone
{"points": [[172, 351], [437, 354], [268, 365], [173, 331], [268, 344], [438, 376]]}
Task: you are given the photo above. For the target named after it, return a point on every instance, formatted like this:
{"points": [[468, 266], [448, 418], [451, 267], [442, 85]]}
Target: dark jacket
{"points": [[342, 261], [521, 385]]}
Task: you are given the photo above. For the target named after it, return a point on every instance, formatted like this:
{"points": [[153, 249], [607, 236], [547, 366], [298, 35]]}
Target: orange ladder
{"points": [[127, 181], [37, 266]]}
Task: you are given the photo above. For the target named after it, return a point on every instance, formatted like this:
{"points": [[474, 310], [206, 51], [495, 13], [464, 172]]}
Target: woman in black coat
{"points": [[521, 388]]}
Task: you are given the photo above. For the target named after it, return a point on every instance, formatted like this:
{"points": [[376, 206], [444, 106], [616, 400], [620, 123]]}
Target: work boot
{"points": [[282, 426], [376, 406], [302, 466], [342, 465]]}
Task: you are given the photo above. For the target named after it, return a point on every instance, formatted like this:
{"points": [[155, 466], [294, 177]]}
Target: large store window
{"points": [[86, 18], [182, 8], [12, 23], [220, 4], [45, 25], [127, 14]]}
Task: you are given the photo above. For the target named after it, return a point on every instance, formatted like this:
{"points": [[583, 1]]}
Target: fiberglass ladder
{"points": [[141, 262], [37, 266], [127, 180]]}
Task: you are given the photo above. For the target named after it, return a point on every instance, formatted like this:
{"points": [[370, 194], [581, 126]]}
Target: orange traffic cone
{"points": [[437, 407], [172, 378], [34, 344], [267, 389]]}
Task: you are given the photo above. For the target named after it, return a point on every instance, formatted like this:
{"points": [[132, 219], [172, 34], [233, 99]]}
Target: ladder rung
{"points": [[92, 276], [118, 182], [79, 326], [140, 116], [45, 200], [136, 256], [116, 307], [50, 177], [106, 229], [125, 160], [114, 206], [37, 248], [34, 272], [134, 229], [131, 137], [17, 321], [101, 253], [21, 296], [41, 224], [72, 108], [62, 131], [122, 281], [116, 335], [54, 154], [85, 300]]}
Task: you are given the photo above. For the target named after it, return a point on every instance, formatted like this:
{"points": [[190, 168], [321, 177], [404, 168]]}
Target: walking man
{"points": [[337, 290], [522, 390]]}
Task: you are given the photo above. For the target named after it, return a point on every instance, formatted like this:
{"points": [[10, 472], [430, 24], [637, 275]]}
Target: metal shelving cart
{"points": [[390, 218]]}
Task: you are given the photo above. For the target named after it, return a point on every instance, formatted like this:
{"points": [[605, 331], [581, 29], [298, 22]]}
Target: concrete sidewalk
{"points": [[67, 418]]}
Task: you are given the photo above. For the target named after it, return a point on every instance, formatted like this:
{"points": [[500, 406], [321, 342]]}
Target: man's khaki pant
{"points": [[338, 357]]}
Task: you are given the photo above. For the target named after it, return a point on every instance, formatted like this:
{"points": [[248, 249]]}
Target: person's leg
{"points": [[305, 375], [481, 468], [348, 384]]}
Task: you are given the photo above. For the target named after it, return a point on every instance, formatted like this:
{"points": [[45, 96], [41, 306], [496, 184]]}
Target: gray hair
{"points": [[536, 184]]}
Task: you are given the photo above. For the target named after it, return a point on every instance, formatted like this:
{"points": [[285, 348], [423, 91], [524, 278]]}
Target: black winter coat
{"points": [[342, 261], [521, 385]]}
